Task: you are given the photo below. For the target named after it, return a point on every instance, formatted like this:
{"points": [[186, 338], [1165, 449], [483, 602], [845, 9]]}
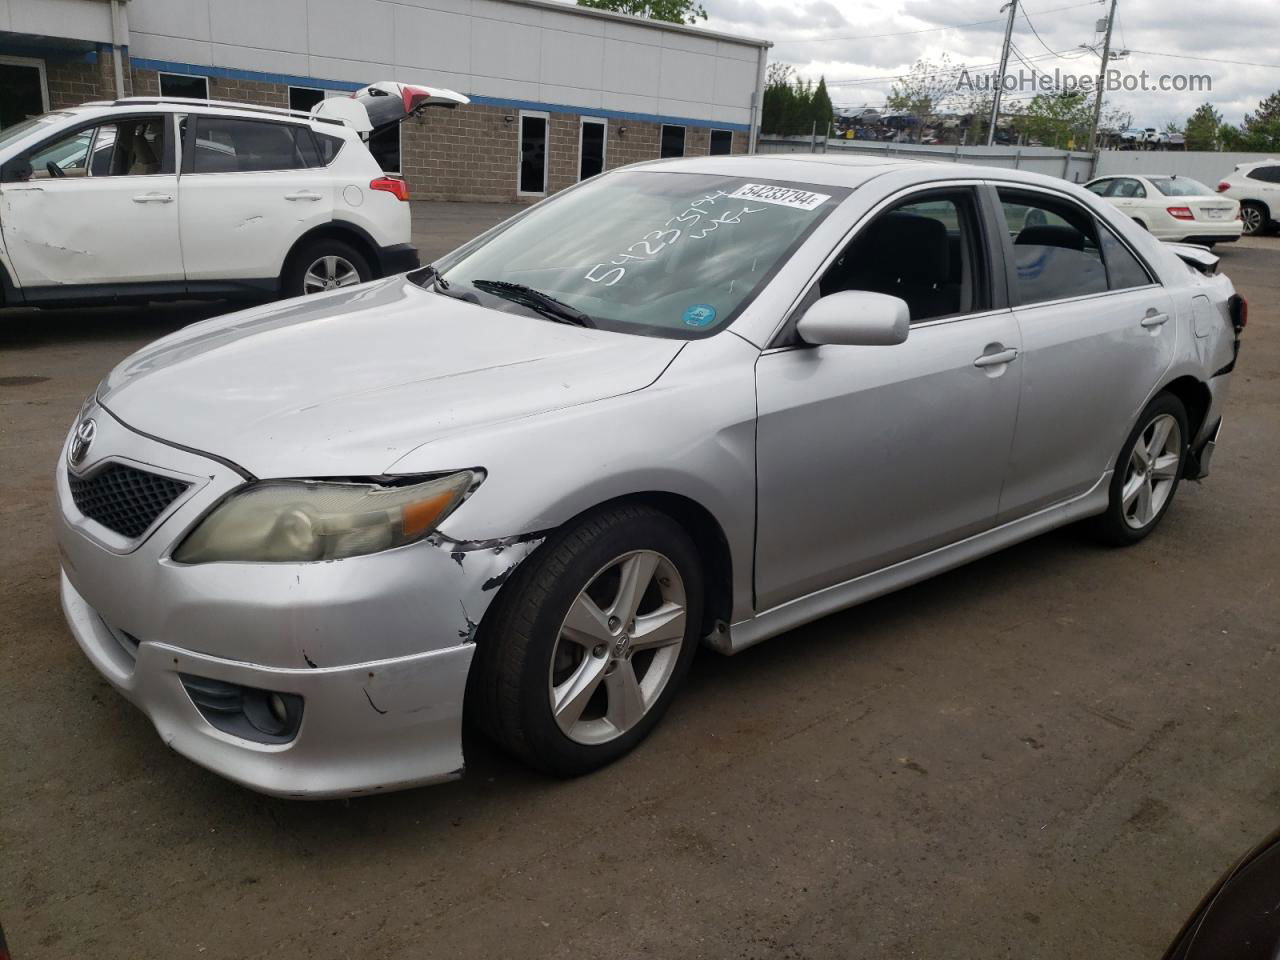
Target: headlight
{"points": [[295, 521]]}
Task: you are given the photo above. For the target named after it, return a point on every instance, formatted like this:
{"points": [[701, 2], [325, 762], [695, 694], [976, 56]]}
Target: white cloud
{"points": [[843, 41]]}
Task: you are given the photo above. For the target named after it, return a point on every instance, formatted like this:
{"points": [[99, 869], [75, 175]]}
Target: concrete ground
{"points": [[1051, 753]]}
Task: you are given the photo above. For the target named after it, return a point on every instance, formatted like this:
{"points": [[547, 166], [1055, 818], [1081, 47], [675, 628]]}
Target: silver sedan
{"points": [[697, 401]]}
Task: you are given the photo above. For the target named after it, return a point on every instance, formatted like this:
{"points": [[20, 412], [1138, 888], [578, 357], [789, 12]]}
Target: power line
{"points": [[1034, 30], [949, 72], [1183, 56]]}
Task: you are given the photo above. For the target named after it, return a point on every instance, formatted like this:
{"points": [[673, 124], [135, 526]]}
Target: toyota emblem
{"points": [[80, 442]]}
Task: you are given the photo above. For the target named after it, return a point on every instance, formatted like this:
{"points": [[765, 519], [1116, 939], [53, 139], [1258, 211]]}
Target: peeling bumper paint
{"points": [[378, 646]]}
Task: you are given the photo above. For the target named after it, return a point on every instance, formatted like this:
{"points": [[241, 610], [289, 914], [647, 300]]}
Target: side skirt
{"points": [[795, 613]]}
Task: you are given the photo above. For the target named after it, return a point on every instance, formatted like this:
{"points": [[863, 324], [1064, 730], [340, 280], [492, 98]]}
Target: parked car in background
{"points": [[306, 537], [1172, 208], [153, 198], [1257, 186]]}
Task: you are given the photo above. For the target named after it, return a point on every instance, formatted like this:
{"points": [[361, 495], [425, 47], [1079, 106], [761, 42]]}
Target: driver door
{"points": [[870, 455], [99, 207]]}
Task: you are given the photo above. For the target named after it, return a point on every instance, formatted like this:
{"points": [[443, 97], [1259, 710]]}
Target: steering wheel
{"points": [[54, 169]]}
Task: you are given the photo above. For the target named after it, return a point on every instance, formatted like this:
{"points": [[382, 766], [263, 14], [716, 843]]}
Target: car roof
{"points": [[216, 107], [841, 170]]}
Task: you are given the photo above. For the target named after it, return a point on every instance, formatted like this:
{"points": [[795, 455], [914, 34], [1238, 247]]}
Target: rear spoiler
{"points": [[385, 104], [1199, 258]]}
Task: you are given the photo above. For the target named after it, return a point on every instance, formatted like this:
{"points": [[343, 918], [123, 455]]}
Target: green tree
{"points": [[822, 111], [1201, 128], [924, 91], [1059, 120], [672, 11], [1261, 131]]}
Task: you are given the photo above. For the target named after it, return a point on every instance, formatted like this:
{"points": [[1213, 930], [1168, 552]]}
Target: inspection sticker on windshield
{"points": [[781, 196]]}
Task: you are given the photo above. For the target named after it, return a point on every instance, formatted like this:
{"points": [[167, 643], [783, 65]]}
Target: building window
{"points": [[304, 98], [184, 85], [672, 141], [532, 176], [23, 91], [591, 145], [721, 142]]}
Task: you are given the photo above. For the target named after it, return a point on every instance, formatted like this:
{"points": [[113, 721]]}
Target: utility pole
{"points": [[1102, 79], [1012, 6]]}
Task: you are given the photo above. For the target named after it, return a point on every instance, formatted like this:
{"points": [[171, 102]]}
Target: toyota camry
{"points": [[691, 402]]}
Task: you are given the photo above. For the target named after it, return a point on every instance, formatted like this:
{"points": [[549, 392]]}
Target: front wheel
{"points": [[587, 645], [1147, 472]]}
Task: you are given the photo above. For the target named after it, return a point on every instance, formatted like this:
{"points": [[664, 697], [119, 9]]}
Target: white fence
{"points": [[1205, 166], [1072, 165]]}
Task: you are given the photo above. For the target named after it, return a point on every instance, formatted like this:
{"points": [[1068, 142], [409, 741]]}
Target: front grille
{"points": [[124, 499]]}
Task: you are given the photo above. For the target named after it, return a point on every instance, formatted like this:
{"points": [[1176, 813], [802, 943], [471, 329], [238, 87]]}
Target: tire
{"points": [[531, 652], [1256, 218], [309, 265], [1126, 523]]}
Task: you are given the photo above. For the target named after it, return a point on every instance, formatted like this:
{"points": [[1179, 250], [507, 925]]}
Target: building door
{"points": [[532, 174], [591, 147], [22, 90]]}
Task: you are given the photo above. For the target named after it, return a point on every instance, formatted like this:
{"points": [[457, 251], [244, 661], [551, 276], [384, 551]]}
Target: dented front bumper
{"points": [[377, 647]]}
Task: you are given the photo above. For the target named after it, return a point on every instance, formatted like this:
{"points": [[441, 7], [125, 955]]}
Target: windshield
{"points": [[662, 254], [20, 129], [1180, 187]]}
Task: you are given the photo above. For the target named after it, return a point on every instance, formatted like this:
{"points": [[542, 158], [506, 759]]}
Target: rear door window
{"points": [[232, 145], [1054, 245], [1124, 270]]}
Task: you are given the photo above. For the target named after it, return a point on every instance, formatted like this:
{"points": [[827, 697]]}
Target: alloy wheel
{"points": [[617, 647], [1152, 471], [1252, 218], [329, 273]]}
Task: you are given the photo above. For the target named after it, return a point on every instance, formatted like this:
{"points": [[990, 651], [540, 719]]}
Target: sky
{"points": [[846, 42]]}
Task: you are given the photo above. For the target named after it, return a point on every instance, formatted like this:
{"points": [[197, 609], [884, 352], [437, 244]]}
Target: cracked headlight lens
{"points": [[296, 521]]}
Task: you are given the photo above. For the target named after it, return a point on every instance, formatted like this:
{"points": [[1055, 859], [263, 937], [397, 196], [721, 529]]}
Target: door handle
{"points": [[302, 195], [153, 198], [995, 359], [1153, 319]]}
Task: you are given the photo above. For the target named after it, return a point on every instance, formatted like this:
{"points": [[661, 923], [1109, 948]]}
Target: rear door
{"points": [[99, 208], [249, 188], [1097, 336]]}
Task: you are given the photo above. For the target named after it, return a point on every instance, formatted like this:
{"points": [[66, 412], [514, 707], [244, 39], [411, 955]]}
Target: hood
{"points": [[347, 383]]}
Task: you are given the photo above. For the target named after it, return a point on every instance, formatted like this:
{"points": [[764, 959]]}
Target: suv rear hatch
{"points": [[384, 104]]}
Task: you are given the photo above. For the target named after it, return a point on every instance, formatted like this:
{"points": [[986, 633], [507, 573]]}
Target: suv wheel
{"points": [[324, 265], [1254, 216]]}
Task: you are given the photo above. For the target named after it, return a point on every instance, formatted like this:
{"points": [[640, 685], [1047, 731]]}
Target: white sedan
{"points": [[1173, 208]]}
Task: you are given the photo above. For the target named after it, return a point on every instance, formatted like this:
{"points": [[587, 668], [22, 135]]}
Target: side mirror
{"points": [[856, 318], [15, 170]]}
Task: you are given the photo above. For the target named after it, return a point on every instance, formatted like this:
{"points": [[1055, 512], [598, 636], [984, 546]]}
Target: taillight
{"points": [[1239, 308], [393, 185], [1223, 186], [1181, 213]]}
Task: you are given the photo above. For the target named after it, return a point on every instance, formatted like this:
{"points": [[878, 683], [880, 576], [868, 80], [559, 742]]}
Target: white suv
{"points": [[149, 198], [1257, 186]]}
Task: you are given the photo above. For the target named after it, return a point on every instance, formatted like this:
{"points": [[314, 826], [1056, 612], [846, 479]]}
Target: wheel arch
{"points": [[708, 537], [343, 230], [1196, 399]]}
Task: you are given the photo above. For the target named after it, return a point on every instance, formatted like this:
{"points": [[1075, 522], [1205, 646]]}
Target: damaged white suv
{"points": [[152, 198]]}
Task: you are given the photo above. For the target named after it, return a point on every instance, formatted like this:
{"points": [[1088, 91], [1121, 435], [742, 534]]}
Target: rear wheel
{"points": [[587, 645], [1147, 472], [322, 265], [1254, 217]]}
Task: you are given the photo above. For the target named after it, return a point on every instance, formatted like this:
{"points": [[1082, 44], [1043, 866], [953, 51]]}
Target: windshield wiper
{"points": [[545, 304]]}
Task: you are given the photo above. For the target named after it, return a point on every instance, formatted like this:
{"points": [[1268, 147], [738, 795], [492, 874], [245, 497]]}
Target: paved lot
{"points": [[1050, 753]]}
